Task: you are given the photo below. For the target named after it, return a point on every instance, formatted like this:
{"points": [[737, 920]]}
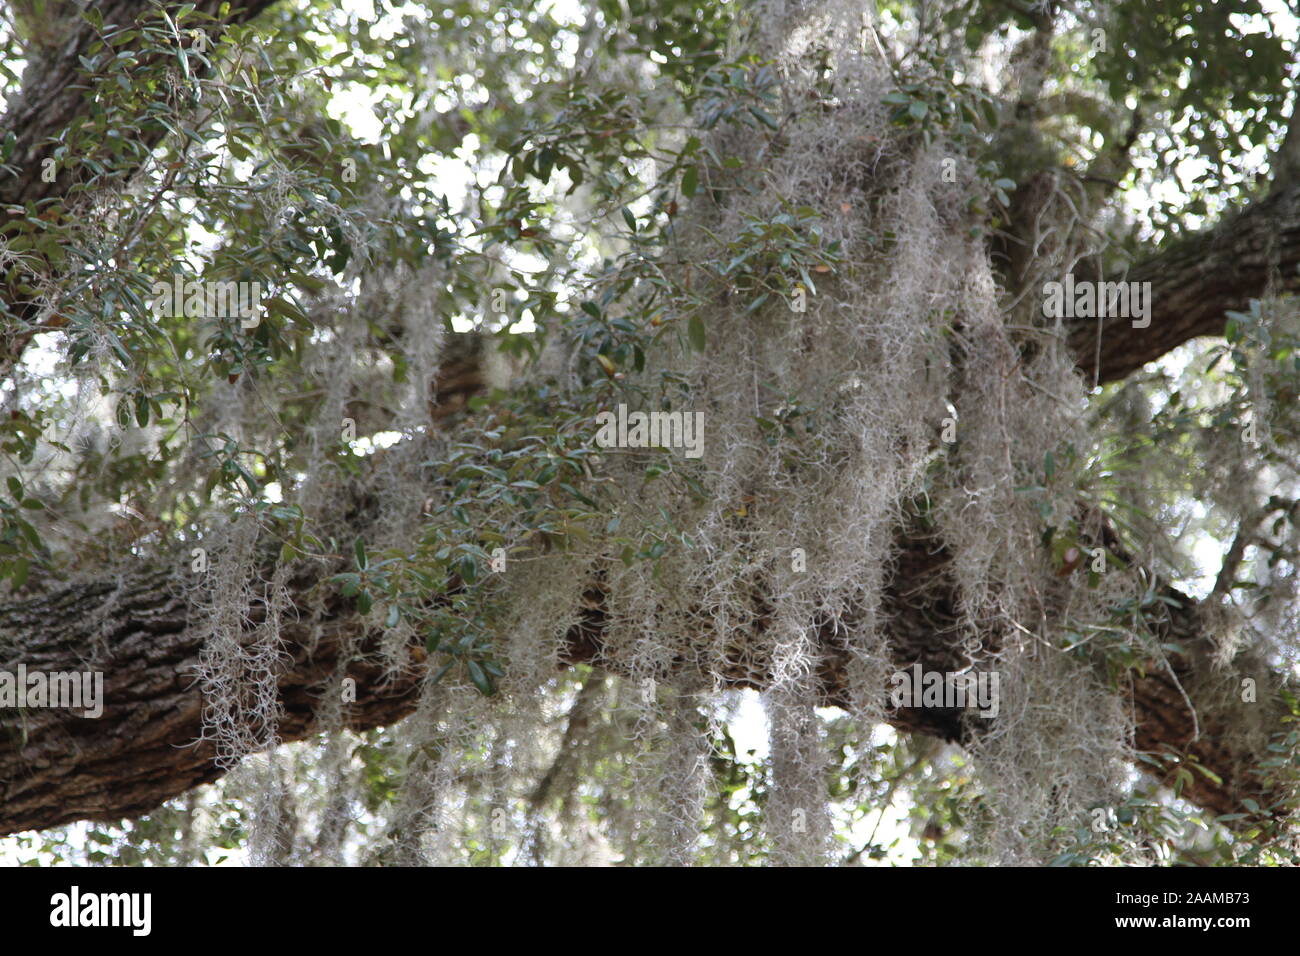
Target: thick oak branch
{"points": [[56, 766], [1193, 283]]}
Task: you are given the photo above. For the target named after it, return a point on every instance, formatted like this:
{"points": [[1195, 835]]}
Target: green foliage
{"points": [[582, 145]]}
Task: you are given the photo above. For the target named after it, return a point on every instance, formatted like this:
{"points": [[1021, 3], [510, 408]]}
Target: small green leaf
{"points": [[695, 331], [359, 549], [481, 679], [19, 575], [690, 181], [570, 490], [442, 672], [350, 583], [1209, 774]]}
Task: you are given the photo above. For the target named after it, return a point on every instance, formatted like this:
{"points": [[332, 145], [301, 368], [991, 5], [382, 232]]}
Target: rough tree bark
{"points": [[136, 627], [1193, 282]]}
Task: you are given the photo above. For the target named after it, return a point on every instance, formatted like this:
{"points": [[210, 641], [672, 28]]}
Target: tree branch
{"points": [[1193, 283], [57, 92], [56, 766]]}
